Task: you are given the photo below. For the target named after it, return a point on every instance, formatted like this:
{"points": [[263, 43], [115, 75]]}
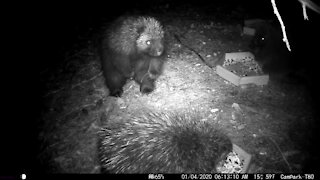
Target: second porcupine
{"points": [[162, 143], [130, 47]]}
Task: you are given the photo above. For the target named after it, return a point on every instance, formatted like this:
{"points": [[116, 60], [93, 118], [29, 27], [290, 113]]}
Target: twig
{"points": [[284, 158], [309, 4], [73, 86], [191, 49], [54, 92], [276, 12], [85, 81]]}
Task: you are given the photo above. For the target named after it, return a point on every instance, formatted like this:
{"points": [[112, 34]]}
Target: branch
{"points": [[276, 12], [309, 4]]}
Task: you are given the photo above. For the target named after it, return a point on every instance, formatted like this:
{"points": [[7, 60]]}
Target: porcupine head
{"points": [[150, 36]]}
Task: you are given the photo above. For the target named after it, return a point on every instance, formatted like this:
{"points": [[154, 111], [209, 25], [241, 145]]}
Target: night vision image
{"points": [[171, 87]]}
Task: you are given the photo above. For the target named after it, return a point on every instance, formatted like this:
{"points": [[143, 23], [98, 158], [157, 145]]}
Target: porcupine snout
{"points": [[156, 49]]}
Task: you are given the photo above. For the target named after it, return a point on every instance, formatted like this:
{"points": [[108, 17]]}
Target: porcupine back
{"points": [[162, 143]]}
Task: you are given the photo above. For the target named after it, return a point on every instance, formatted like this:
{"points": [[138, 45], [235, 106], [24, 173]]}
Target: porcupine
{"points": [[132, 47], [276, 60], [162, 143]]}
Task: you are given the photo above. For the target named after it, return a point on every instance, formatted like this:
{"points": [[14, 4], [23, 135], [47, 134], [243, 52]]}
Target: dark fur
{"points": [[144, 66], [274, 57], [269, 49], [146, 71]]}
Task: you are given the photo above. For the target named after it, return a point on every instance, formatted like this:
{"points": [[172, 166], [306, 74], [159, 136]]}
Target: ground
{"points": [[270, 123]]}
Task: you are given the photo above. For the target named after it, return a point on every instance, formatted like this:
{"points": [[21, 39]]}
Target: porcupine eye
{"points": [[148, 42]]}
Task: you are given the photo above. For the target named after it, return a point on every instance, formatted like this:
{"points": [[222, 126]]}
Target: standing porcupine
{"points": [[162, 143], [132, 47], [274, 57]]}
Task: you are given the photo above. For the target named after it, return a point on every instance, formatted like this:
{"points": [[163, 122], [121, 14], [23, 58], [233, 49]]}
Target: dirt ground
{"points": [[271, 124]]}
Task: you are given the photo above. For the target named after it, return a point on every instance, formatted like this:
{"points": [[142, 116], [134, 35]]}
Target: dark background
{"points": [[58, 26]]}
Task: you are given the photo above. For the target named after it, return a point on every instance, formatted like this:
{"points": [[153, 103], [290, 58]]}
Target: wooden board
{"points": [[234, 79], [249, 31], [244, 156], [237, 80]]}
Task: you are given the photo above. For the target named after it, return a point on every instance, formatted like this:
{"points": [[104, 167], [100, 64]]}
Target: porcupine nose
{"points": [[159, 51]]}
